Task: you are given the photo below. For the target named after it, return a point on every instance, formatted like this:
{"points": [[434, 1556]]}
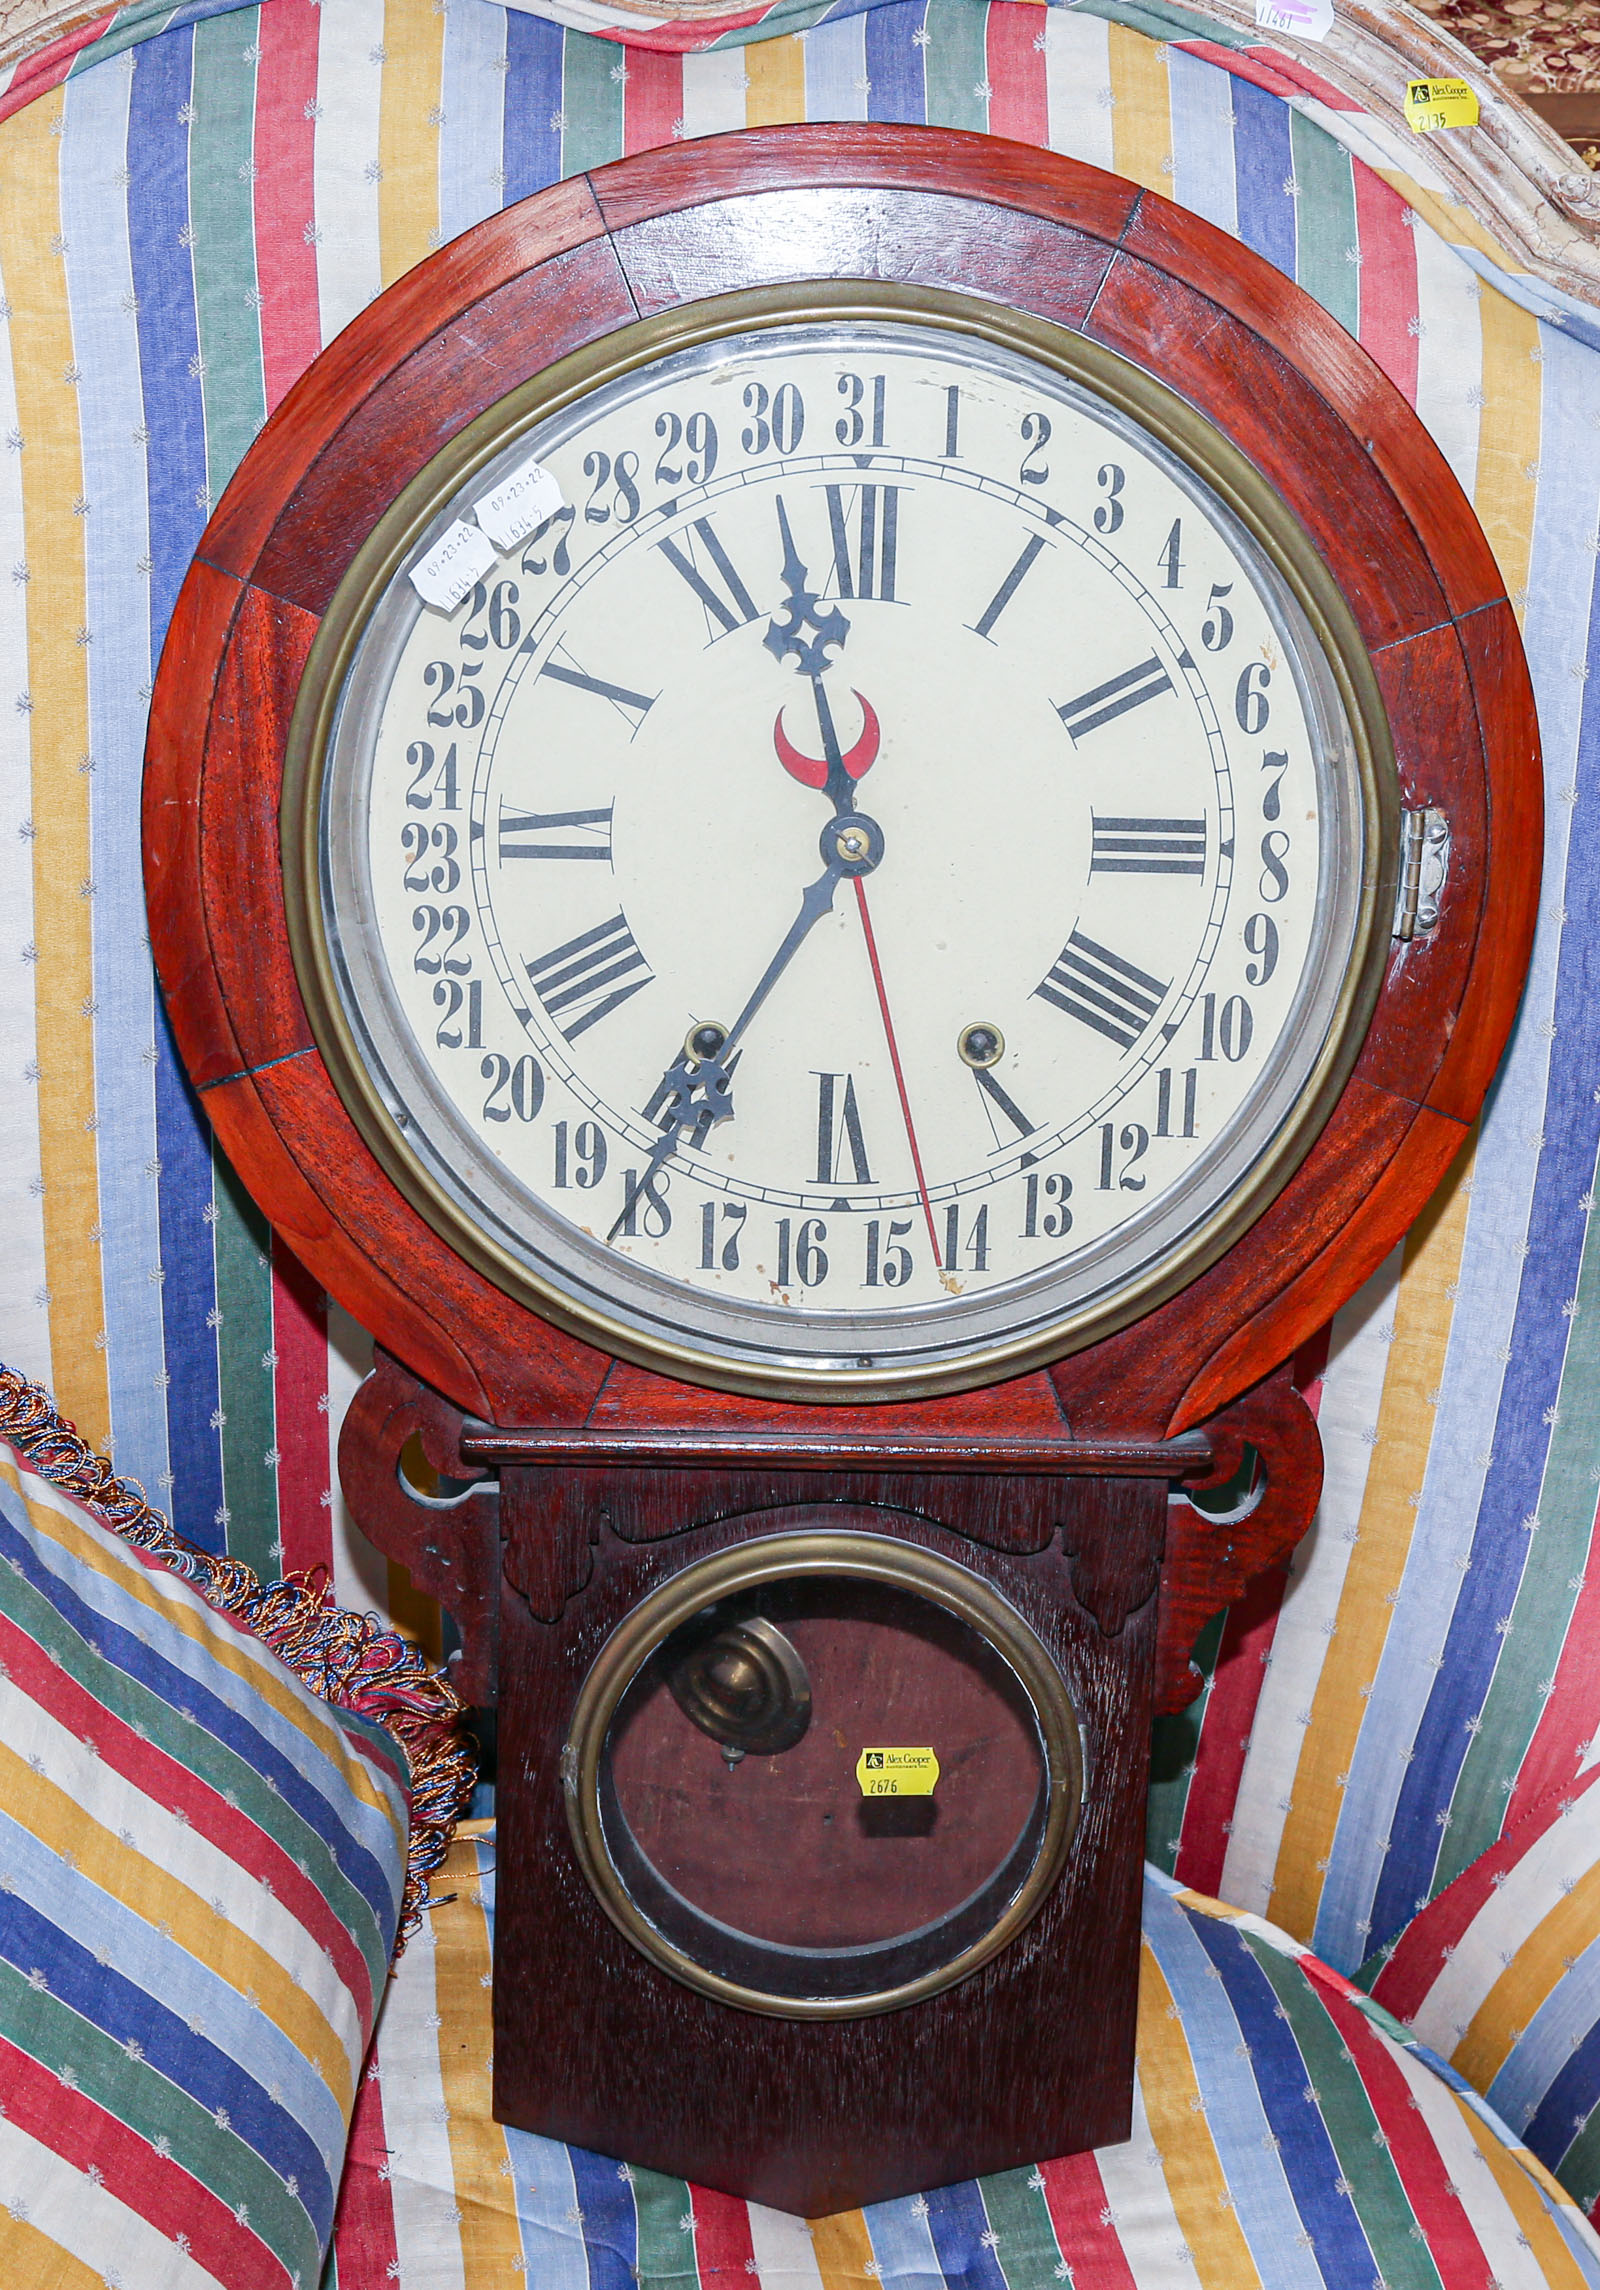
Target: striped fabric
{"points": [[1287, 2136], [190, 205], [201, 1869]]}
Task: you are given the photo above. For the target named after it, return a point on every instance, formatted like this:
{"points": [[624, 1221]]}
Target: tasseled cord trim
{"points": [[348, 1660]]}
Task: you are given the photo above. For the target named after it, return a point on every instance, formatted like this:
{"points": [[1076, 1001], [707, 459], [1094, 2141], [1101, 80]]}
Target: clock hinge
{"points": [[1424, 863]]}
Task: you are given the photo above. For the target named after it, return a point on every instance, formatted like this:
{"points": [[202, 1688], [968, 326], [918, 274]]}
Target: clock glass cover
{"points": [[878, 883]]}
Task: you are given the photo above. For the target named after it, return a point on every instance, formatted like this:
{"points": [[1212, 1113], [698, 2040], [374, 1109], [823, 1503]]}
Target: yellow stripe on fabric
{"points": [[1514, 2171], [29, 2256], [232, 1648], [1141, 114], [777, 90], [1508, 2007], [408, 135], [480, 2161], [1424, 1304], [65, 1828], [53, 511], [1508, 438], [1196, 2181], [843, 2249]]}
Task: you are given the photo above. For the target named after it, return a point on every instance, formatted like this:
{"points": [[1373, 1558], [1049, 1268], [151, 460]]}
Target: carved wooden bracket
{"points": [[1209, 1560], [450, 1544]]}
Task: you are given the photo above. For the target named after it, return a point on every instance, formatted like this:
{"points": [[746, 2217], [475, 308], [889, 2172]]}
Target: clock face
{"points": [[870, 887]]}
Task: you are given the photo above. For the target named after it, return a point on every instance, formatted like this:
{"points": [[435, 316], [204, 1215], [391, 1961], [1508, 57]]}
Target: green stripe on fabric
{"points": [[1175, 1744], [151, 2104], [1542, 1611], [1025, 2243], [1359, 2142], [132, 26], [198, 1751], [788, 18], [1160, 23], [1325, 221], [1579, 2168], [664, 2210], [243, 1241], [222, 216], [591, 102], [955, 65]]}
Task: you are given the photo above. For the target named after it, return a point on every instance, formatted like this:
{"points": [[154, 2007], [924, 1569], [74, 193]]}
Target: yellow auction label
{"points": [[897, 1772], [1432, 104]]}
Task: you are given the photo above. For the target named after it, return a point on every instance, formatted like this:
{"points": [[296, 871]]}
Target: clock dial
{"points": [[869, 882]]}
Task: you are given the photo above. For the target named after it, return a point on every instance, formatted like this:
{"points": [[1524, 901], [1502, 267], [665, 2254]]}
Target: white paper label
{"points": [[1306, 19], [518, 503], [457, 560]]}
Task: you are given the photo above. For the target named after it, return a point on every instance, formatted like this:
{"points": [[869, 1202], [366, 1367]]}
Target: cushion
{"points": [[1287, 2135], [202, 1869]]}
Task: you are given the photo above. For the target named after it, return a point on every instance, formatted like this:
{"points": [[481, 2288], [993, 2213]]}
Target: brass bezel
{"points": [[777, 1558], [1188, 433]]}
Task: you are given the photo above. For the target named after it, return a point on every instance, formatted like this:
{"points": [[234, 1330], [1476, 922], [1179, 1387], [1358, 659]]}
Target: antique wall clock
{"points": [[819, 823]]}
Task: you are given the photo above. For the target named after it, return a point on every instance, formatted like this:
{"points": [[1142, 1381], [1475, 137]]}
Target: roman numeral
{"points": [[1091, 983], [1148, 847], [635, 705], [555, 834], [578, 976], [1006, 1102], [864, 559], [839, 1131], [1114, 698], [1009, 586], [731, 605]]}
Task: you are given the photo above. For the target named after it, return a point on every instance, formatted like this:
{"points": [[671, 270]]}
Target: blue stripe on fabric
{"points": [[1235, 2116], [546, 2195], [158, 1964], [174, 414], [958, 2223], [116, 535], [147, 1667], [610, 2223], [902, 2245], [1203, 164], [310, 1742], [898, 89], [1283, 2079], [1556, 1231], [836, 66], [1263, 161], [128, 2013], [531, 145], [1549, 2125], [473, 98]]}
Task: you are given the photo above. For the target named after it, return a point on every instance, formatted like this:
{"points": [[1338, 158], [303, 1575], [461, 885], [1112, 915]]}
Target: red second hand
{"points": [[894, 1060]]}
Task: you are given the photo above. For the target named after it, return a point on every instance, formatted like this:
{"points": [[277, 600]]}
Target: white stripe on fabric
{"points": [[105, 338], [1456, 2138], [25, 1297], [714, 87], [472, 98], [1449, 351], [1203, 173], [360, 1574], [59, 2201], [1077, 81], [836, 70], [1140, 2202], [1352, 1391], [421, 2167], [346, 165], [784, 2251]]}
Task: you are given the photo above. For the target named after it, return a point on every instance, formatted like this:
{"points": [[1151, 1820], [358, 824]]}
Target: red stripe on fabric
{"points": [[1403, 1984], [680, 39], [300, 1380], [158, 2190], [285, 198], [722, 2243], [1018, 101], [1448, 2232], [36, 75], [1308, 82], [1241, 62], [1389, 315], [1075, 2196], [1568, 1717], [1230, 1710], [652, 101], [364, 2239], [175, 1788]]}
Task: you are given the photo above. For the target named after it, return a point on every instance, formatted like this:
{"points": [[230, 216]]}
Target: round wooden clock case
{"points": [[701, 1592]]}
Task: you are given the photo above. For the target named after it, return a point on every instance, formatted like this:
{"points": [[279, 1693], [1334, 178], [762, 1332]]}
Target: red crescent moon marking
{"points": [[812, 770]]}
